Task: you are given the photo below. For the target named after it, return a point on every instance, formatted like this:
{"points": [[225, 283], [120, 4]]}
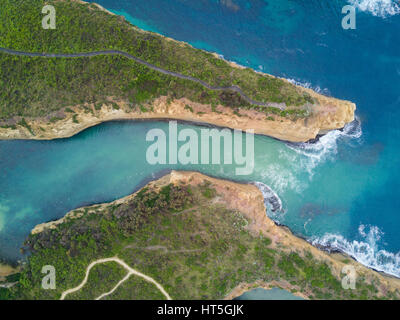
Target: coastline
{"points": [[333, 114], [66, 128], [7, 270], [325, 114], [248, 199]]}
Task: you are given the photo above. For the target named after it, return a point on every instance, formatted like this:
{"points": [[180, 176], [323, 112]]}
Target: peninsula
{"points": [[185, 236], [95, 67]]}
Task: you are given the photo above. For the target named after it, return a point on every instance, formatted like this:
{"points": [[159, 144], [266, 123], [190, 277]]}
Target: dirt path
{"points": [[130, 270]]}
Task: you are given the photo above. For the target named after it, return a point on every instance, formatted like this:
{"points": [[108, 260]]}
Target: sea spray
{"points": [[364, 251], [271, 200], [308, 85], [379, 8], [326, 146]]}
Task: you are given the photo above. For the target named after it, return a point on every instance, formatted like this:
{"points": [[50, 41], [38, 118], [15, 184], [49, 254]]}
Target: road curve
{"points": [[140, 61]]}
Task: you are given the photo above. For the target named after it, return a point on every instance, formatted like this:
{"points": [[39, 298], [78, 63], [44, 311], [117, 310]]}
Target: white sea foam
{"points": [[281, 178], [271, 200], [326, 146], [308, 85], [379, 8], [365, 251], [306, 223]]}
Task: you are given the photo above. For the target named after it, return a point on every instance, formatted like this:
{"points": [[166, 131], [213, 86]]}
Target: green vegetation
{"points": [[5, 294], [136, 288], [187, 107], [180, 236], [101, 279], [74, 118], [13, 277], [34, 87], [23, 123]]}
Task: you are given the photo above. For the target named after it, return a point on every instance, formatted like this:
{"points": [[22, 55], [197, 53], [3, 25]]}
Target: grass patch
{"points": [[37, 81]]}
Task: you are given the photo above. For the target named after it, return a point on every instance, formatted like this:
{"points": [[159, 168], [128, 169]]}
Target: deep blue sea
{"points": [[343, 191]]}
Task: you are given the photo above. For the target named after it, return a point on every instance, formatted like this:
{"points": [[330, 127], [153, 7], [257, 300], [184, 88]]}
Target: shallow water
{"points": [[342, 191]]}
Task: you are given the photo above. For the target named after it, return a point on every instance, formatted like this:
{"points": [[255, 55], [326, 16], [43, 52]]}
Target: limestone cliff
{"points": [[328, 114]]}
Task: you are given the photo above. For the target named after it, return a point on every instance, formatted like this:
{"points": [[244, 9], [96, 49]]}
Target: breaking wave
{"points": [[271, 200], [365, 251], [379, 8], [308, 85], [327, 145]]}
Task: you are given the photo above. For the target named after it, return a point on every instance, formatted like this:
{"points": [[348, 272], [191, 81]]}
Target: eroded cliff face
{"points": [[248, 200], [330, 113], [327, 115]]}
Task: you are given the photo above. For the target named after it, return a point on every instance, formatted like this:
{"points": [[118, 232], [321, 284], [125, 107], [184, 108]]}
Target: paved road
{"points": [[129, 56]]}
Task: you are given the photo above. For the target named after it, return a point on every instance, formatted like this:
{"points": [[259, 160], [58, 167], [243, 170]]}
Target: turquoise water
{"points": [[42, 180], [351, 194], [342, 191], [272, 294]]}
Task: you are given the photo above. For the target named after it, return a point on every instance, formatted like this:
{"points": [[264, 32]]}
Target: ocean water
{"points": [[342, 191], [302, 40]]}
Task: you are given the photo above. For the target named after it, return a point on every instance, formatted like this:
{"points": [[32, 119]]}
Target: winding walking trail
{"points": [[140, 61], [130, 270]]}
